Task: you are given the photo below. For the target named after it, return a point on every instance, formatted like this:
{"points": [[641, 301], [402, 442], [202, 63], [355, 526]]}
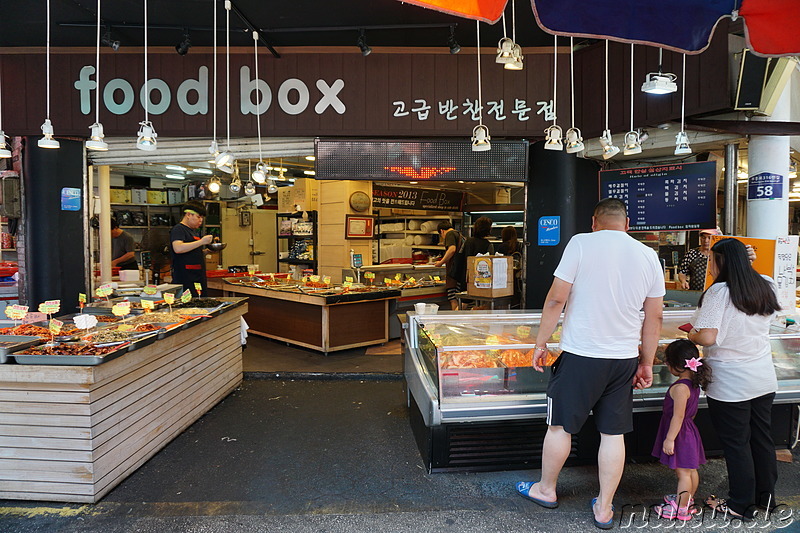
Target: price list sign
{"points": [[667, 197]]}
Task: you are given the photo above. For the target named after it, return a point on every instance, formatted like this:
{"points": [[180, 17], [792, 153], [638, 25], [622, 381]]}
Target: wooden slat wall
{"points": [[82, 430]]}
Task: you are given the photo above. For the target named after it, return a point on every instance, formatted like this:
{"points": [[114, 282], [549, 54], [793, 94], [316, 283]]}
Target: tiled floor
{"points": [[268, 356]]}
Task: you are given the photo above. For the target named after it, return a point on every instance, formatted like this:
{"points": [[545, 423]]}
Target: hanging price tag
{"points": [[85, 321], [348, 279], [199, 288], [150, 289], [55, 326], [169, 298], [81, 298], [148, 305], [186, 296]]}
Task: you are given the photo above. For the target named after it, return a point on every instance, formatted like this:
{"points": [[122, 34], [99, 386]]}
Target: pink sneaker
{"points": [[670, 511]]}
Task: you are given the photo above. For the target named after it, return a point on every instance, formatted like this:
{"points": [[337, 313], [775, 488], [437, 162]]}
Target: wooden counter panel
{"points": [[135, 405], [357, 323], [288, 320]]}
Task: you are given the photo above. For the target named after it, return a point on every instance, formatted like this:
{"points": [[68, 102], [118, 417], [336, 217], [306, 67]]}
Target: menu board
{"points": [[665, 198]]}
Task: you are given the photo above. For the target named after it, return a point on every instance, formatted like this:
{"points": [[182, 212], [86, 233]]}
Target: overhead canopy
{"points": [[772, 27]]}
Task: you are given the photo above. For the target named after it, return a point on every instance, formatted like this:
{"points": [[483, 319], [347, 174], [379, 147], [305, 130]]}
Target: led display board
{"points": [[420, 160]]}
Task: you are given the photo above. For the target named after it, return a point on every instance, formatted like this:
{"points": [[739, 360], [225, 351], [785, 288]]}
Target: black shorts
{"points": [[580, 384]]}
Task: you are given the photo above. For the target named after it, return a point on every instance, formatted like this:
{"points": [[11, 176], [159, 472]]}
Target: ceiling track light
{"points": [[249, 188], [214, 185], [574, 141], [47, 141], [146, 137], [259, 175], [481, 140], [235, 185], [681, 139], [272, 188], [659, 82], [108, 41], [224, 161], [214, 148], [183, 47], [606, 141], [361, 42], [96, 141], [452, 44]]}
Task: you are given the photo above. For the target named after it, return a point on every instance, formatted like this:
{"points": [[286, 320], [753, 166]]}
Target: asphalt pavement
{"points": [[339, 456]]}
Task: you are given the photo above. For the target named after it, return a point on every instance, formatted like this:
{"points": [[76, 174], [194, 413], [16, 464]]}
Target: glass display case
{"points": [[476, 366]]}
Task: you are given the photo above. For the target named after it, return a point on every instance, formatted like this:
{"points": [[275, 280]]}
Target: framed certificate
{"points": [[359, 226]]}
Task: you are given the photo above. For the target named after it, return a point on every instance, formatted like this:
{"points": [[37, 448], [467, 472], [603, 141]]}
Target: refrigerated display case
{"points": [[476, 403]]}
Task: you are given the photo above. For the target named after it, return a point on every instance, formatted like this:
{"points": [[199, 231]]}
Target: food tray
{"points": [[70, 360], [143, 340], [207, 312], [168, 329], [18, 342]]}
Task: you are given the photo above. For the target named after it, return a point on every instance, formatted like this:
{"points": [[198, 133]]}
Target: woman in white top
{"points": [[732, 323]]}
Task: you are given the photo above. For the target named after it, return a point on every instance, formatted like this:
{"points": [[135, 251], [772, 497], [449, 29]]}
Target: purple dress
{"points": [[689, 451]]}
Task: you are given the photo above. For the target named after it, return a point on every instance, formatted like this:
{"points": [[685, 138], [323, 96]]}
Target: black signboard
{"points": [[665, 198], [416, 198], [411, 160]]}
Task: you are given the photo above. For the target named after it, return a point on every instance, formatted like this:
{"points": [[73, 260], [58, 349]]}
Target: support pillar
{"points": [[768, 219], [104, 188], [731, 211]]}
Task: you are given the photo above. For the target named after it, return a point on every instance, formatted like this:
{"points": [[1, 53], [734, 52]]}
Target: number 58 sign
{"points": [[765, 186]]}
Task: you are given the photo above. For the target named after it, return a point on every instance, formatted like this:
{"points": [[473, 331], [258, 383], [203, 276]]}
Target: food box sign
{"points": [[549, 230]]}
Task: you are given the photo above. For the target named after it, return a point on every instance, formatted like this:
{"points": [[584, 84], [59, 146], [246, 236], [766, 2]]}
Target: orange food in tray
{"points": [[516, 358], [467, 359]]}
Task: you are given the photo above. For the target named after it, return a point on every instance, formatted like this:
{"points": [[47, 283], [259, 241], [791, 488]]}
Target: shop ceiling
{"points": [[311, 23]]}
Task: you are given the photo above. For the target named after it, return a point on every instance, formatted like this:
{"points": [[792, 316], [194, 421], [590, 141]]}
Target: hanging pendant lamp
{"points": [[5, 151], [259, 175], [606, 141], [47, 127], [516, 51], [504, 47], [633, 145], [554, 133], [481, 140], [224, 160], [681, 139], [146, 136], [214, 148], [96, 141], [573, 135]]}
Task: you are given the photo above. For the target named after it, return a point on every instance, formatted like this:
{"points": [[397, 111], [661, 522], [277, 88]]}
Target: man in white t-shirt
{"points": [[605, 278]]}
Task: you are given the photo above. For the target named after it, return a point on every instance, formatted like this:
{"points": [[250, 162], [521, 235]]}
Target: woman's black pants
{"points": [[744, 428]]}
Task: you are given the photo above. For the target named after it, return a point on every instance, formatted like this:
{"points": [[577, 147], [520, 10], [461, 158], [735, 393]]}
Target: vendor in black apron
{"points": [[186, 248]]}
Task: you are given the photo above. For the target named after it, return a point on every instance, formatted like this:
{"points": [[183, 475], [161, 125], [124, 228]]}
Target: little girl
{"points": [[678, 444]]}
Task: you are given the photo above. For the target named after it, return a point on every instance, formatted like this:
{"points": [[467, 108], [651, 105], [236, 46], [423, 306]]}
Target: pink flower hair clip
{"points": [[693, 364]]}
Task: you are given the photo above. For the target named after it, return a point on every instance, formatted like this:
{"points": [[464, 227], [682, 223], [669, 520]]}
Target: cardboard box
{"points": [[174, 196], [304, 193], [120, 195], [138, 196], [156, 196], [490, 276]]}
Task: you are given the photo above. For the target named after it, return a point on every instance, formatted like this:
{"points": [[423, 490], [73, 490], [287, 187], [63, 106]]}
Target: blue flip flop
{"points": [[597, 523], [524, 487]]}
